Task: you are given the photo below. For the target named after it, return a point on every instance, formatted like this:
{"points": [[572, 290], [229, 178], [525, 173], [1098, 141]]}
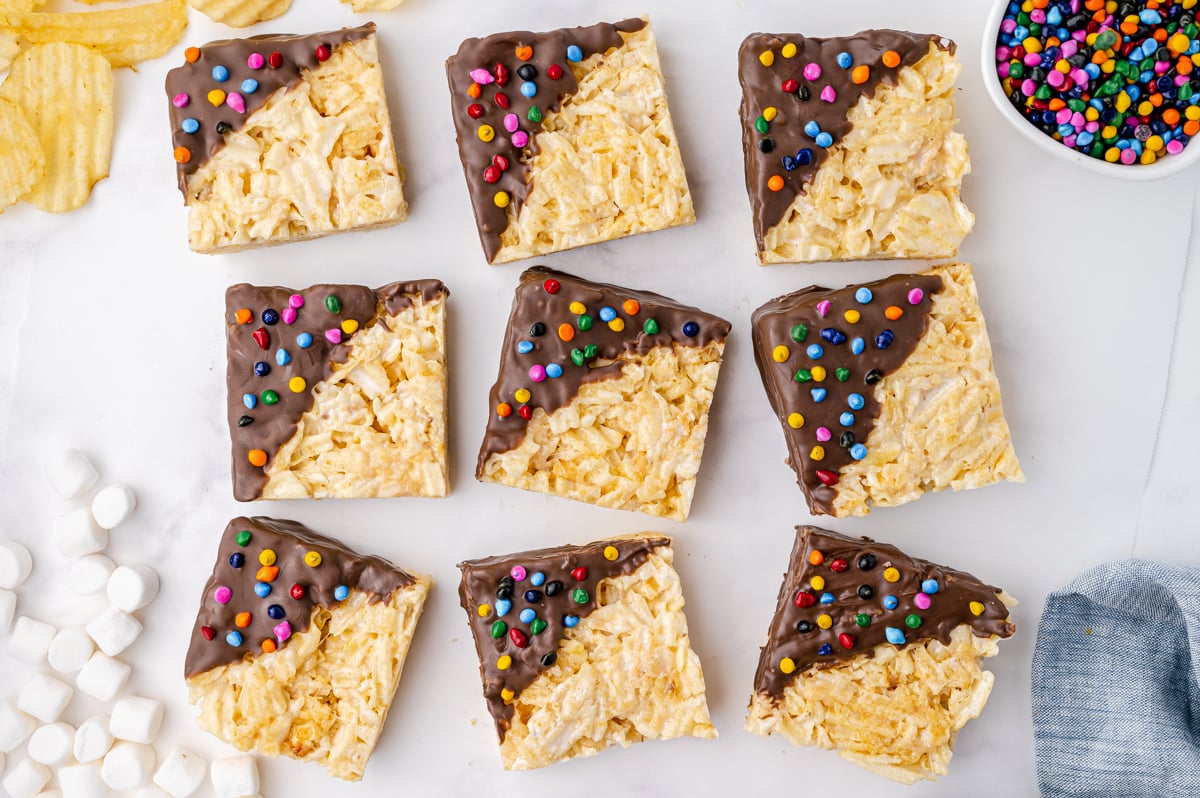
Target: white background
{"points": [[112, 340]]}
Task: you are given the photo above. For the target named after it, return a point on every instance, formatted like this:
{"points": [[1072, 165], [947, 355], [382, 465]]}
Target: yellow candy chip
{"points": [[617, 325], [770, 112], [611, 553], [781, 353], [976, 608], [766, 58], [1193, 112], [852, 316], [507, 695], [297, 384], [312, 559], [266, 557], [216, 97], [891, 575], [817, 453], [818, 373], [787, 665], [349, 326], [795, 420], [577, 308], [501, 199], [824, 621], [504, 663], [484, 610], [521, 395], [788, 50], [486, 133], [818, 583]]}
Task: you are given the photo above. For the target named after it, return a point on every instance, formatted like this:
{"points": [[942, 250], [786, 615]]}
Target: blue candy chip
{"points": [[282, 358], [249, 400], [237, 560], [789, 163], [812, 128], [527, 615], [863, 295], [538, 579], [554, 371], [884, 339], [529, 88], [574, 53], [304, 340], [691, 329], [190, 125], [846, 419], [262, 589], [895, 636], [833, 335], [804, 157], [825, 650], [845, 60], [524, 347], [607, 314], [262, 368], [220, 74], [502, 607], [824, 140], [855, 401], [249, 85], [234, 639], [276, 613], [826, 598], [819, 394], [341, 592], [858, 451], [858, 346], [570, 620], [815, 351], [890, 602], [929, 586]]}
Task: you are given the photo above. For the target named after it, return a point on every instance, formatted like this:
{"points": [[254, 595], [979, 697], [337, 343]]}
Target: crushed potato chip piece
{"points": [[241, 13], [9, 47], [124, 36], [20, 5], [66, 92], [359, 6], [22, 162]]}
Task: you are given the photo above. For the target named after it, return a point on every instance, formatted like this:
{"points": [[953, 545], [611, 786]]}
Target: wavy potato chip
{"points": [[20, 5], [66, 93], [22, 162], [359, 6], [124, 36], [9, 47], [240, 13]]}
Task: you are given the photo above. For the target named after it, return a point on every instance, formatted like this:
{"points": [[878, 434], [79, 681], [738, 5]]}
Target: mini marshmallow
{"points": [[114, 630], [71, 473], [127, 766], [70, 650], [51, 745], [136, 719], [15, 726], [235, 776], [112, 505], [181, 773], [90, 574], [30, 640], [44, 697], [132, 587], [8, 608], [103, 677], [27, 779], [92, 739], [16, 563], [150, 791], [81, 781], [77, 535]]}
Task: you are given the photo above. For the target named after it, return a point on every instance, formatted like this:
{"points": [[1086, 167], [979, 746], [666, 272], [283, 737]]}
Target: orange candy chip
{"points": [[268, 646], [192, 54], [566, 331], [632, 307], [891, 59], [242, 620], [524, 52], [775, 183], [860, 74], [182, 155], [815, 557], [893, 312], [257, 457], [268, 573], [504, 410], [242, 315], [474, 90]]}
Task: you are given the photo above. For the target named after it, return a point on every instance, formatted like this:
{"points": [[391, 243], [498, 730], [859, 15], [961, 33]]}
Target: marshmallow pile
{"points": [[106, 754]]}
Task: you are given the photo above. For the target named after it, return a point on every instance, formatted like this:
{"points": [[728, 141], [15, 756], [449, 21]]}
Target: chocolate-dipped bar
{"points": [[337, 390], [566, 138], [850, 146], [581, 647], [603, 395], [280, 655], [885, 390], [282, 138], [876, 654]]}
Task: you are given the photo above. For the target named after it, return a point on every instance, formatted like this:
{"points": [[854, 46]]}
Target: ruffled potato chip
{"points": [[124, 36], [22, 162], [240, 13]]}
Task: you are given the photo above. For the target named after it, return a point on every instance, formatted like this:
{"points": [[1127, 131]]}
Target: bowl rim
{"points": [[1162, 168]]}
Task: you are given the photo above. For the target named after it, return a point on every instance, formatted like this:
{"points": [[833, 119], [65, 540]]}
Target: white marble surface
{"points": [[111, 340]]}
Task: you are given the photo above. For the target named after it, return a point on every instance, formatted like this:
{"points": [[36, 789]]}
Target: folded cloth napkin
{"points": [[1116, 704]]}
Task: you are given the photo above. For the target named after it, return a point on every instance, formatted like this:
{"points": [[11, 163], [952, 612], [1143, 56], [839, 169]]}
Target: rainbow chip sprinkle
{"points": [[1116, 81]]}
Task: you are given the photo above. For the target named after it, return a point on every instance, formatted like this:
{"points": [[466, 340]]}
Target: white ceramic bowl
{"points": [[1163, 167]]}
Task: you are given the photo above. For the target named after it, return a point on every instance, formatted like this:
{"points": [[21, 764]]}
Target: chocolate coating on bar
{"points": [[500, 49], [773, 325], [195, 79], [290, 542], [865, 564], [762, 87], [264, 426], [484, 580], [533, 305]]}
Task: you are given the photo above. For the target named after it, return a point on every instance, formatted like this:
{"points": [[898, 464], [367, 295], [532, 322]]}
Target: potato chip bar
{"points": [[566, 138], [283, 138], [876, 655], [338, 391], [850, 146], [603, 395], [299, 644], [885, 391], [581, 647]]}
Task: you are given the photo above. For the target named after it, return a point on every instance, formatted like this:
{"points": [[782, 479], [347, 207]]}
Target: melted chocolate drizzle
{"points": [[486, 581], [548, 56], [535, 320], [266, 427], [240, 569], [762, 87], [790, 384], [855, 576], [297, 53]]}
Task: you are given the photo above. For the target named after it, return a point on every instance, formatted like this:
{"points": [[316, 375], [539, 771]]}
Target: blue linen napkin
{"points": [[1116, 703]]}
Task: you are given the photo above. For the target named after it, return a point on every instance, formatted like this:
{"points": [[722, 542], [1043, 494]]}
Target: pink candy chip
{"points": [[823, 308], [537, 373], [511, 123], [482, 77], [829, 94], [222, 595], [289, 315], [283, 630], [333, 336], [255, 61], [520, 139], [518, 573], [296, 301], [181, 100], [812, 71], [236, 101], [823, 434], [921, 600], [915, 296]]}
